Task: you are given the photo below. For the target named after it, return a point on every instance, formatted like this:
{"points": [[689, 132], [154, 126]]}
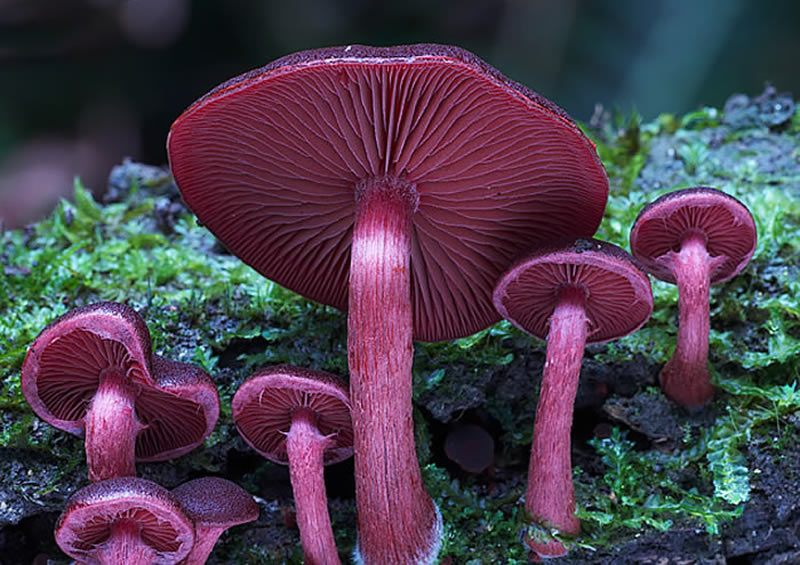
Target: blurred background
{"points": [[84, 83]]}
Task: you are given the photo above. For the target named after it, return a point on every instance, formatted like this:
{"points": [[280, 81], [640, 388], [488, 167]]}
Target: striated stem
{"points": [[305, 447], [685, 378], [111, 427], [125, 545], [397, 520], [550, 497]]}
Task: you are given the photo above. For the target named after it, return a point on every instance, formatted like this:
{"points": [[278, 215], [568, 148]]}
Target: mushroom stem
{"points": [[685, 378], [111, 428], [550, 497], [397, 520], [205, 539], [305, 448], [124, 545]]}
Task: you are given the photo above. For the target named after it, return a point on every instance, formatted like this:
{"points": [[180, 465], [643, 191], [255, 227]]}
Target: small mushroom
{"points": [[471, 447], [125, 520], [694, 238], [397, 184], [301, 418], [583, 292], [213, 505], [91, 372]]}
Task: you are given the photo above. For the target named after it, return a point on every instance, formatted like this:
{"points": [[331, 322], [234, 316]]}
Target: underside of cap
{"points": [[263, 406], [725, 223], [89, 514], [270, 163], [177, 403], [63, 365], [618, 298]]}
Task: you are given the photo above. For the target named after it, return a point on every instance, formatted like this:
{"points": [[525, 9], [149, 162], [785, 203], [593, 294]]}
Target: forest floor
{"points": [[655, 484]]}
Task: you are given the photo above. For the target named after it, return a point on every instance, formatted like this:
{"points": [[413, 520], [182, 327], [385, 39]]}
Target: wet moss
{"points": [[202, 305]]}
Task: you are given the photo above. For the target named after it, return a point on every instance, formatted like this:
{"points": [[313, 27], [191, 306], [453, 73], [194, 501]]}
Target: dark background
{"points": [[84, 83]]}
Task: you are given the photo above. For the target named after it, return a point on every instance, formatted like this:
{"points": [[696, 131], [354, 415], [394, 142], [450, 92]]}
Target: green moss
{"points": [[210, 309]]}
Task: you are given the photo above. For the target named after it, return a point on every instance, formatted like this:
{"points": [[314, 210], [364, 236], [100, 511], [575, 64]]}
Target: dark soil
{"points": [[34, 488]]}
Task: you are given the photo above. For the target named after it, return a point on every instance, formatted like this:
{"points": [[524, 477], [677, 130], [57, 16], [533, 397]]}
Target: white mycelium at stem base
{"points": [[550, 497], [397, 520], [685, 378]]}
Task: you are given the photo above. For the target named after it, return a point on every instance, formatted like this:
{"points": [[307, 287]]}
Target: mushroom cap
{"points": [[726, 224], [271, 161], [177, 402], [216, 502], [263, 405], [90, 513], [618, 296]]}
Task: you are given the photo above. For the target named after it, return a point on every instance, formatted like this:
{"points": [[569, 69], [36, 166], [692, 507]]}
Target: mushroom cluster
{"points": [[92, 372], [396, 184], [426, 195], [137, 522]]}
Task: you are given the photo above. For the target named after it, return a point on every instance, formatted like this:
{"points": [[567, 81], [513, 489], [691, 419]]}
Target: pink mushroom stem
{"points": [[205, 539], [305, 448], [397, 520], [550, 497], [685, 378], [111, 428], [124, 545]]}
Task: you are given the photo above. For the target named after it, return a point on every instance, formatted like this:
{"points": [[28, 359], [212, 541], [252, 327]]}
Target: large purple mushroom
{"points": [[397, 184]]}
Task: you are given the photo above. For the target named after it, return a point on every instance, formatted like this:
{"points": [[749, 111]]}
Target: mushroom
{"points": [[572, 294], [301, 418], [125, 520], [91, 372], [213, 505], [694, 238], [397, 184]]}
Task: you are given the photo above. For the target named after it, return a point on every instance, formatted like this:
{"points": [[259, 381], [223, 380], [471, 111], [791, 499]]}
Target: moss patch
{"points": [[692, 484]]}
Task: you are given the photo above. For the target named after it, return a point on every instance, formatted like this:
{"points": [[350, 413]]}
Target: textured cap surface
{"points": [[213, 501]]}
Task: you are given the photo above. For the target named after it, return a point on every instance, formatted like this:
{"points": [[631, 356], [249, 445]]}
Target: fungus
{"points": [[583, 292], [694, 238], [91, 372], [301, 418], [213, 505], [396, 184], [125, 520]]}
